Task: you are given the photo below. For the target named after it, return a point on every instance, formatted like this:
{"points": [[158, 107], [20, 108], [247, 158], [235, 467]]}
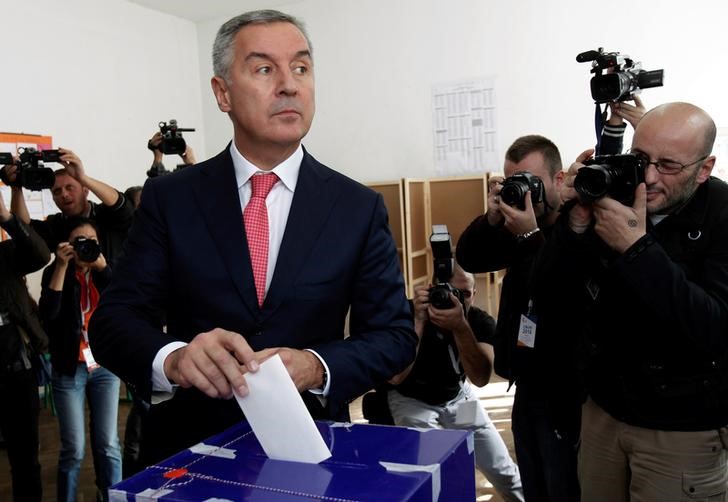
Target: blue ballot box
{"points": [[368, 463]]}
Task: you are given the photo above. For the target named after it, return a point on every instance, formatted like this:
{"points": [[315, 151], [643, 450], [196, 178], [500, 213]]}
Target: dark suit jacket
{"points": [[187, 258]]}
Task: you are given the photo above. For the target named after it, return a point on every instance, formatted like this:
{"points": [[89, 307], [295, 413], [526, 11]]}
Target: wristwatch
{"points": [[522, 237]]}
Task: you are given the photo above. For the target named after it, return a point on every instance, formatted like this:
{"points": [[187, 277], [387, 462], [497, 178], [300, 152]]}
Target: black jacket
{"points": [[113, 224], [61, 315], [23, 254], [656, 316], [547, 372]]}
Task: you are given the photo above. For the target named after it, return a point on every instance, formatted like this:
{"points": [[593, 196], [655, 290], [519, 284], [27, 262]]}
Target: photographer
{"points": [[70, 193], [546, 410], [433, 392], [188, 156], [648, 282], [71, 287], [22, 340]]}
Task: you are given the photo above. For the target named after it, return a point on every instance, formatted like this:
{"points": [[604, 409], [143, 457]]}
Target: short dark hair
{"points": [[526, 145], [222, 48], [79, 221]]}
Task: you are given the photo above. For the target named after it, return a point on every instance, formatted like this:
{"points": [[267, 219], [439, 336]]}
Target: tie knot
{"points": [[262, 184]]}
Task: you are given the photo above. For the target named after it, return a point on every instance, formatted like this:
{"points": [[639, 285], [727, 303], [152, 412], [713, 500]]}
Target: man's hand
{"points": [[517, 220], [10, 172], [621, 226], [4, 213], [305, 368], [73, 165], [494, 215], [154, 142], [580, 216], [451, 319], [214, 362], [623, 110], [188, 156]]}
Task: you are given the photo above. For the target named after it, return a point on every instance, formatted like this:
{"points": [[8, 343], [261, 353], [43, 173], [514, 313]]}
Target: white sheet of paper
{"points": [[278, 417]]}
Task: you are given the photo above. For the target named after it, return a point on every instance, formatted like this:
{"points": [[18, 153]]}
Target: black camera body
{"points": [[439, 294], [616, 176], [514, 189], [32, 174], [87, 250], [172, 141], [625, 79]]}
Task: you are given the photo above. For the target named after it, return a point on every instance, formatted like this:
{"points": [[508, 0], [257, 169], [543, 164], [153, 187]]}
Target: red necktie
{"points": [[255, 216]]}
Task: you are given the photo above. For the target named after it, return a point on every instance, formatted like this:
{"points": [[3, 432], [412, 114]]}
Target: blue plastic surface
{"points": [[440, 465]]}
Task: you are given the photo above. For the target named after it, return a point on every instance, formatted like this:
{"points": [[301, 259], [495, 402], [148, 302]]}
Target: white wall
{"points": [[376, 61], [98, 76]]}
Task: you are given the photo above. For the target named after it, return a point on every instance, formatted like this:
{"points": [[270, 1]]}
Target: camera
{"points": [[514, 189], [616, 176], [172, 140], [87, 250], [31, 172], [441, 244], [623, 82]]}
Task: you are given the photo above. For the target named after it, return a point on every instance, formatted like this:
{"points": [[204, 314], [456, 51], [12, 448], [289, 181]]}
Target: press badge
{"points": [[527, 329], [91, 363]]}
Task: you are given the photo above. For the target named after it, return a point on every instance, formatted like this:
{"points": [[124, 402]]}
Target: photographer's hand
{"points": [[494, 215], [188, 157], [155, 141], [99, 264], [621, 226], [64, 254], [580, 216], [476, 357], [519, 221], [630, 113], [74, 167], [17, 199]]}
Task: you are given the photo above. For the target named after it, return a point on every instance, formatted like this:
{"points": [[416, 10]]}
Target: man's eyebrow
{"points": [[263, 55]]}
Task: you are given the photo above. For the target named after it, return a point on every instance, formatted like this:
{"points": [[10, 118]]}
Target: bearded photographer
{"points": [[71, 288], [648, 280], [70, 193], [433, 391], [22, 340]]}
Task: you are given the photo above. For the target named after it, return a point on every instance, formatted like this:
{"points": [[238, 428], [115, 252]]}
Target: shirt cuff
{"points": [[327, 376], [160, 383]]}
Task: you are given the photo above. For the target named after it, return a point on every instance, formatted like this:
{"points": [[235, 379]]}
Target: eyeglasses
{"points": [[665, 166]]}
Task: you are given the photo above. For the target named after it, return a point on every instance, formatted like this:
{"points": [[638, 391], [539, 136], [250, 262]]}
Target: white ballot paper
{"points": [[278, 417]]}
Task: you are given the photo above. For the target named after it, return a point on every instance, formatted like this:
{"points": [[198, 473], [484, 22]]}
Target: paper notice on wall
{"points": [[464, 127]]}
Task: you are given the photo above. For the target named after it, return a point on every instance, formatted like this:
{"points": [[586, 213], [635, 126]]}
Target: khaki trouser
{"points": [[620, 462]]}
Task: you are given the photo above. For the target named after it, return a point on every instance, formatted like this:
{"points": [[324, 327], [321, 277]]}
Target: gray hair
{"points": [[222, 48]]}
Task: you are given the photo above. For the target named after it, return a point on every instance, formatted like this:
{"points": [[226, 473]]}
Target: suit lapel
{"points": [[310, 208], [219, 201]]}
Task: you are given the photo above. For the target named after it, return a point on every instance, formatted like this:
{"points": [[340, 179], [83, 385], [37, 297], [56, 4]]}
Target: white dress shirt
{"points": [[278, 204]]}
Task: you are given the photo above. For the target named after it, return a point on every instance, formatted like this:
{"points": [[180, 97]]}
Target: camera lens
{"points": [[593, 182], [88, 250], [440, 297], [513, 192]]}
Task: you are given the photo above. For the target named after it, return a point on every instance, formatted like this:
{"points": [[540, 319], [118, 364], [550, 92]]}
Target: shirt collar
{"points": [[287, 170]]}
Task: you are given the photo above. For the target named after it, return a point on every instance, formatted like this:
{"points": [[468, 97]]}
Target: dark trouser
{"points": [[545, 440], [19, 425], [132, 438]]}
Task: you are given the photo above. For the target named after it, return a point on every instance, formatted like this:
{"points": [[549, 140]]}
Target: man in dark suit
{"points": [[188, 261]]}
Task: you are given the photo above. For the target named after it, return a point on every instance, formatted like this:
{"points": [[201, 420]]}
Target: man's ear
{"points": [[559, 178], [705, 169], [219, 88]]}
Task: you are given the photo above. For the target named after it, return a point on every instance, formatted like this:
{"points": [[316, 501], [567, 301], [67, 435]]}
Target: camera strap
{"points": [[600, 118]]}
